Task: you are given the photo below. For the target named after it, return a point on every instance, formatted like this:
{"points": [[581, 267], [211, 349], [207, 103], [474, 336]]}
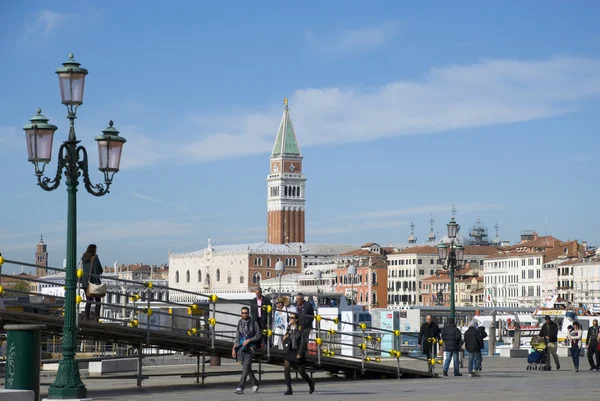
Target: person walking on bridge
{"points": [[92, 269], [306, 315], [429, 330], [295, 343], [260, 313], [247, 338]]}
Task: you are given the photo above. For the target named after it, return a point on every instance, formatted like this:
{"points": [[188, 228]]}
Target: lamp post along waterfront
{"points": [[73, 163], [451, 255], [280, 269]]}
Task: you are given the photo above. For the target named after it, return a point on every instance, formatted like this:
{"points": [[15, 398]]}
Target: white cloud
{"points": [[453, 97], [9, 136], [354, 227], [428, 209], [155, 200], [351, 41], [43, 24]]}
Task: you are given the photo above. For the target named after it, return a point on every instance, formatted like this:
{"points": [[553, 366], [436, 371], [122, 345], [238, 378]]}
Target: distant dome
{"points": [[458, 240]]}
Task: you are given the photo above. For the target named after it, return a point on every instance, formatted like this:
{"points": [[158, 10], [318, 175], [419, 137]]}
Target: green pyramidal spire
{"points": [[286, 143]]}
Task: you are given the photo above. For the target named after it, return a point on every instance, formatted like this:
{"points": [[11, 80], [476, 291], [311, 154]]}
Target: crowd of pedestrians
{"points": [[291, 325]]}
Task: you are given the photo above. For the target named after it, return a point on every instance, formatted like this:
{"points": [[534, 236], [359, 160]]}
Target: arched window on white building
{"points": [[176, 277], [199, 276], [187, 276], [218, 275]]}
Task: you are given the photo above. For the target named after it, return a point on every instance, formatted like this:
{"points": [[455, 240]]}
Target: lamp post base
{"points": [[67, 385]]}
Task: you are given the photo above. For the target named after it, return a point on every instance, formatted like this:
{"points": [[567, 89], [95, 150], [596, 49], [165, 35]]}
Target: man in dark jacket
{"points": [[473, 344], [549, 333], [429, 330], [452, 343], [592, 344], [259, 311], [306, 314]]}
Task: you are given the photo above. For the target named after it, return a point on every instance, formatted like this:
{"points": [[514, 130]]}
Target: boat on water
{"points": [[560, 312]]}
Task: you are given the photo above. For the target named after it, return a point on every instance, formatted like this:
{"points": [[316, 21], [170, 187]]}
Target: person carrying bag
{"points": [[91, 283], [295, 344]]}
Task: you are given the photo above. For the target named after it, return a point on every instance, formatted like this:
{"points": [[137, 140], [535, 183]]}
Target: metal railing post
{"points": [[364, 353], [267, 334], [148, 313], [318, 345], [214, 316], [140, 361], [203, 366]]}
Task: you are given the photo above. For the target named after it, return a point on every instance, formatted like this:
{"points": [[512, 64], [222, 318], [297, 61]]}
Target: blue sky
{"points": [[401, 110]]}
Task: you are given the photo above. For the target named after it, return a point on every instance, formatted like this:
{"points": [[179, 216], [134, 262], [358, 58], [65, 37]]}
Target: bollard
{"points": [[23, 357]]}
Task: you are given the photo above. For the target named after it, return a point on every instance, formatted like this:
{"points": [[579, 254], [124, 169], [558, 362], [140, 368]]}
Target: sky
{"points": [[401, 111]]}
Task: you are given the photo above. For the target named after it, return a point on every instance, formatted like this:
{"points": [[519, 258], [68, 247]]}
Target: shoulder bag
{"points": [[95, 290]]}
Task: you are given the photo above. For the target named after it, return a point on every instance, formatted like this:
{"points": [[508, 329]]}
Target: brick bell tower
{"points": [[286, 186], [41, 258]]}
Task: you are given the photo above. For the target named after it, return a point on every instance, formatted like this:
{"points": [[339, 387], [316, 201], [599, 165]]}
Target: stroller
{"points": [[536, 360]]}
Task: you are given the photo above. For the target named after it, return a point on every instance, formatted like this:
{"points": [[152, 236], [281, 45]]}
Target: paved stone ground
{"points": [[502, 378]]}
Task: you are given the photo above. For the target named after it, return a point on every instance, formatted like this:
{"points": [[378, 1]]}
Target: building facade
{"points": [[228, 268], [286, 186], [514, 276], [407, 268], [368, 286]]}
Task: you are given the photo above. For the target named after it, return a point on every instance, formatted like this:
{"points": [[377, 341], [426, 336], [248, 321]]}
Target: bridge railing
{"points": [[202, 318]]}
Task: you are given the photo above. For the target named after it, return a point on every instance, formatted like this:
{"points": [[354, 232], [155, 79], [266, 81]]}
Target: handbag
{"points": [[95, 290]]}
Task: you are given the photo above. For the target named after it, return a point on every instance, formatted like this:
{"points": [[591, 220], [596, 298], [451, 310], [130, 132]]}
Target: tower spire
{"points": [[412, 239], [431, 232], [453, 211], [286, 186], [286, 143]]}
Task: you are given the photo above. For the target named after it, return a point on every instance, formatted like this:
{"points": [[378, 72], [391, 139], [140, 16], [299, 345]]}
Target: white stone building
{"points": [[408, 267], [228, 268], [514, 276]]}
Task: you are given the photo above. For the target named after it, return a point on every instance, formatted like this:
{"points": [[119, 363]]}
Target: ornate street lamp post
{"points": [[317, 275], [451, 255], [352, 274], [280, 269], [72, 162]]}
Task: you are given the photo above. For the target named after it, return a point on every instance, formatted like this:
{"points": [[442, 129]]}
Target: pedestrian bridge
{"points": [[201, 332]]}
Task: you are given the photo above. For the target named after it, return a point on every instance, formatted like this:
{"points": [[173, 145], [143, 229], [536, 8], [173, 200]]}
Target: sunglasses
{"points": [[244, 313], [292, 317]]}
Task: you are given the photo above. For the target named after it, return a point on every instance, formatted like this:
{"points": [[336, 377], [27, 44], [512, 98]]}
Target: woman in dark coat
{"points": [[91, 265], [295, 344]]}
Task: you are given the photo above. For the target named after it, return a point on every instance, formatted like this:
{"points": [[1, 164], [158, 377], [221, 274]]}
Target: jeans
{"points": [[246, 359], [474, 361], [551, 352], [448, 356], [575, 350]]}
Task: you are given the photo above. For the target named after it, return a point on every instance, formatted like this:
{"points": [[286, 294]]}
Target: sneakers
{"points": [[445, 373], [575, 370], [289, 391], [558, 366], [239, 390], [255, 389], [458, 374]]}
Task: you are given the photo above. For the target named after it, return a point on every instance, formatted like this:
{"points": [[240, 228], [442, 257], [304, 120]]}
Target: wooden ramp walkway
{"points": [[166, 340]]}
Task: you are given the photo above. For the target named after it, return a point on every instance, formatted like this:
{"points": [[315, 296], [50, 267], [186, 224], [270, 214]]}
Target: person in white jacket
{"points": [[280, 321], [575, 338]]}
